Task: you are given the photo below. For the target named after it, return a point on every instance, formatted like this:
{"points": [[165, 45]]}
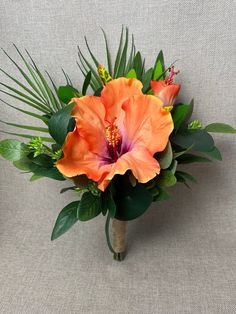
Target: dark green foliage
{"points": [[65, 220]]}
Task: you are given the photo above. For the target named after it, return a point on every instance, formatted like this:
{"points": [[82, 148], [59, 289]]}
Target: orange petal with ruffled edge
{"points": [[89, 113], [146, 123], [116, 92], [78, 159], [167, 93], [139, 160]]}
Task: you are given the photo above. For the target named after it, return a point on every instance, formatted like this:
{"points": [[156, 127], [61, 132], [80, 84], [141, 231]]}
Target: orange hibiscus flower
{"points": [[119, 131], [166, 90]]}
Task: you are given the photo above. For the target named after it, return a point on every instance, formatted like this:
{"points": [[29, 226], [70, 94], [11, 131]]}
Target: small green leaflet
{"points": [[13, 150]]}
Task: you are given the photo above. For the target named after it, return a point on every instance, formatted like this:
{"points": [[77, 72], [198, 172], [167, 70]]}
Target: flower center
{"points": [[170, 78], [113, 138]]}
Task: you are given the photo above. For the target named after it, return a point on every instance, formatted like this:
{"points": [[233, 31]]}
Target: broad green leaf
{"points": [[189, 158], [59, 123], [220, 128], [200, 140], [146, 80], [162, 195], [23, 163], [13, 150], [185, 176], [51, 173], [86, 83], [166, 179], [179, 115], [131, 74], [66, 93], [177, 154], [89, 207], [159, 67], [214, 153], [66, 219], [43, 160], [189, 113], [165, 158], [107, 203], [173, 166], [34, 178], [132, 205]]}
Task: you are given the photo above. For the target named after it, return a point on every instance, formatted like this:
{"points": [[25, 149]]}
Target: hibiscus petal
{"points": [[89, 113], [167, 93], [139, 160], [157, 86], [116, 92], [78, 159], [146, 123]]}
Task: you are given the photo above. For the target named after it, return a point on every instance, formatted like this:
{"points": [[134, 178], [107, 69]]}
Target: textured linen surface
{"points": [[182, 252]]}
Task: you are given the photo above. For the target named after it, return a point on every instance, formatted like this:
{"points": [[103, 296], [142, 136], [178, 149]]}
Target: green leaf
{"points": [[109, 64], [123, 58], [165, 158], [162, 195], [66, 219], [34, 178], [59, 123], [117, 60], [47, 90], [138, 65], [108, 203], [47, 172], [43, 160], [159, 67], [134, 203], [131, 74], [66, 93], [173, 166], [86, 83], [44, 139], [89, 207], [190, 158], [90, 52], [199, 139], [179, 115], [131, 57], [146, 80], [184, 176], [220, 128], [214, 153], [32, 114], [166, 179], [13, 150], [189, 113], [23, 163], [177, 154], [26, 127]]}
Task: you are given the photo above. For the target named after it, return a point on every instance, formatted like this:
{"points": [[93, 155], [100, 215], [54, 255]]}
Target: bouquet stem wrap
{"points": [[119, 231]]}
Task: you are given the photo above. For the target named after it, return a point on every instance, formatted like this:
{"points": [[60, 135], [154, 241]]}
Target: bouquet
{"points": [[119, 138]]}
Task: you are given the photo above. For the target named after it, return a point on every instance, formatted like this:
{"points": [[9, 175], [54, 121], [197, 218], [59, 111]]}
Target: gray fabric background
{"points": [[181, 253]]}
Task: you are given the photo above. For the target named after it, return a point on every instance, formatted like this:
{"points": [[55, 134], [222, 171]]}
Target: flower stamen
{"points": [[113, 138], [170, 78]]}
